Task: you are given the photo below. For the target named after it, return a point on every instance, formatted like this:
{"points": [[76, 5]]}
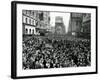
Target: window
{"points": [[33, 31], [49, 18], [26, 20], [41, 16], [34, 22], [37, 23], [26, 30], [77, 23], [29, 21], [33, 13], [30, 12], [30, 31]]}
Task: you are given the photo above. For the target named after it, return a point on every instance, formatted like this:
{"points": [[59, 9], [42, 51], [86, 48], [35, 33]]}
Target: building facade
{"points": [[75, 24], [29, 22], [59, 25], [80, 25], [34, 21], [86, 25]]}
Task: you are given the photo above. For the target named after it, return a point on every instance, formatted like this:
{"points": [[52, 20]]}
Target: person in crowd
{"points": [[55, 53]]}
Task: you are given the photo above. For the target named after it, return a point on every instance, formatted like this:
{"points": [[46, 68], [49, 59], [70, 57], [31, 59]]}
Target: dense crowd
{"points": [[54, 53]]}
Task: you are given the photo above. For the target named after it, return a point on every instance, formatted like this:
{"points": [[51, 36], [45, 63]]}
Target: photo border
{"points": [[14, 38]]}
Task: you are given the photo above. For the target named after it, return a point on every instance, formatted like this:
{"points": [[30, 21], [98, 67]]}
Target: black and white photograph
{"points": [[54, 40]]}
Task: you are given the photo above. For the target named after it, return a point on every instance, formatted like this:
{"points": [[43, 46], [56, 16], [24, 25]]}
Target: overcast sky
{"points": [[65, 16]]}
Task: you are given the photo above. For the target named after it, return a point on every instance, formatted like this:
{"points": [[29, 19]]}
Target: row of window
{"points": [[29, 32], [28, 12], [30, 21]]}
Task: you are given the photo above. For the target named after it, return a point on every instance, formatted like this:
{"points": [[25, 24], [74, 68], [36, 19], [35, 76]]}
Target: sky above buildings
{"points": [[65, 16]]}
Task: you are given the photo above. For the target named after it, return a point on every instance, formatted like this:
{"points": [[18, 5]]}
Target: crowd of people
{"points": [[55, 53]]}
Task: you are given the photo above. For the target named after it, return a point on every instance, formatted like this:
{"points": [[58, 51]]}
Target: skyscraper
{"points": [[75, 23], [59, 25]]}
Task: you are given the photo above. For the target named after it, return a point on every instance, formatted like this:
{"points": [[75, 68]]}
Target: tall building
{"points": [[75, 24], [29, 22], [80, 25], [35, 21], [43, 19], [86, 25], [59, 25]]}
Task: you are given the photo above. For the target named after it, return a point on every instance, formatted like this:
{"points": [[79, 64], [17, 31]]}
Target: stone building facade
{"points": [[34, 21]]}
